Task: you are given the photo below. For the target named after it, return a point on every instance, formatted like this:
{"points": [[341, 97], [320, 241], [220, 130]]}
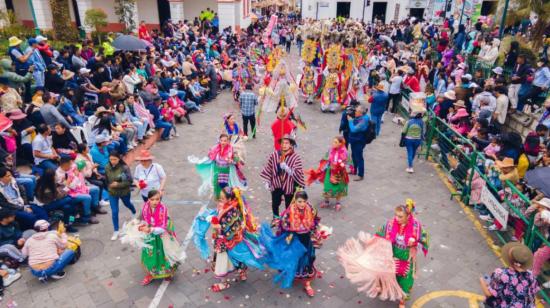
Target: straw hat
{"points": [[67, 74], [14, 41], [459, 103], [173, 92], [144, 155], [517, 254], [379, 87], [505, 163], [498, 70], [544, 202], [102, 138], [101, 110], [450, 95]]}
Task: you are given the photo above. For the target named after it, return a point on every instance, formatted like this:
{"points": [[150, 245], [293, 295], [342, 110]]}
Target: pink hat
{"points": [[461, 113]]}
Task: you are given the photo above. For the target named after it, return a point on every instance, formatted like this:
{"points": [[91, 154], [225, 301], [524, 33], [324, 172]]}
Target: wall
{"points": [[23, 12], [193, 8], [226, 13], [148, 11], [356, 12]]}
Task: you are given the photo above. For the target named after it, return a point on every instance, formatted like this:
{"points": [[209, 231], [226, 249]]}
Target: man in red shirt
{"points": [[411, 81], [282, 126]]}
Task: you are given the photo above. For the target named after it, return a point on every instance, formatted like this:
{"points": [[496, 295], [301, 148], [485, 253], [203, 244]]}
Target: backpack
{"points": [[370, 133]]}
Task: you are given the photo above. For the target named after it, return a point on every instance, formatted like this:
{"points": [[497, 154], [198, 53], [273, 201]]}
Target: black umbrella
{"points": [[539, 178], [129, 43]]}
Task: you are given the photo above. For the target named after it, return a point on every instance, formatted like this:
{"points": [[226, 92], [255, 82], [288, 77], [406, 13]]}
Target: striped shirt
{"points": [[280, 179]]}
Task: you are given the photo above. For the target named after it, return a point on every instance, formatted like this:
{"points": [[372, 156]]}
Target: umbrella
{"points": [[387, 39], [539, 178], [129, 43]]}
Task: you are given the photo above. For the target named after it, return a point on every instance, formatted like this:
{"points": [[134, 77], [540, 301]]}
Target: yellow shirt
{"points": [[523, 165]]}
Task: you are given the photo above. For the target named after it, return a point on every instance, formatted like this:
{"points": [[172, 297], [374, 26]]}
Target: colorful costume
{"points": [[219, 169], [236, 244], [291, 249], [332, 171], [358, 257], [163, 254]]}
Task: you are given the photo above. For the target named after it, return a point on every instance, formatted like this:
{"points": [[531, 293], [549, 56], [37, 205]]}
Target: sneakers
{"points": [[492, 227], [485, 217], [546, 285], [11, 279], [59, 275], [104, 203], [150, 133], [115, 236], [71, 229], [410, 170]]}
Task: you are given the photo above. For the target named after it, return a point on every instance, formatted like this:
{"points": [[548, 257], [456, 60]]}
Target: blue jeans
{"points": [[166, 128], [26, 220], [88, 201], [29, 182], [113, 201], [377, 119], [357, 157], [48, 164], [64, 259], [412, 145], [65, 204]]}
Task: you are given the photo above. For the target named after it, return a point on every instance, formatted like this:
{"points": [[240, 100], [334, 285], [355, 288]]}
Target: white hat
{"points": [[40, 38], [498, 70], [102, 138], [544, 202], [468, 76], [173, 92], [84, 70]]}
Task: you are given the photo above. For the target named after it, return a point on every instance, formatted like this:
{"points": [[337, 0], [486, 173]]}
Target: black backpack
{"points": [[370, 133]]}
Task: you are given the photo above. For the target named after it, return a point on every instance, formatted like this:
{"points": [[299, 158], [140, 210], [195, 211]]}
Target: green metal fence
{"points": [[458, 159]]}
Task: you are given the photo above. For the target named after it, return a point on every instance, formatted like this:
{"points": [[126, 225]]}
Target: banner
{"points": [[494, 206], [477, 11]]}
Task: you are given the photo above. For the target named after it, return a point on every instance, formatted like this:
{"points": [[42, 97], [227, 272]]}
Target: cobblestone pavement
{"points": [[109, 273]]}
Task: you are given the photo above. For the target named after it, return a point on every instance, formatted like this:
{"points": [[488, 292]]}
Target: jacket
{"points": [[100, 157], [16, 204], [379, 102], [15, 80], [120, 174], [9, 234], [358, 128]]}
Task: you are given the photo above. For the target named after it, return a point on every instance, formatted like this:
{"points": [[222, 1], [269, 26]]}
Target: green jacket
{"points": [[15, 80], [120, 174]]}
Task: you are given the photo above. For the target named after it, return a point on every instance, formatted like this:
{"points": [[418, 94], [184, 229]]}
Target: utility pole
{"points": [[364, 7], [36, 29], [503, 20], [462, 12]]}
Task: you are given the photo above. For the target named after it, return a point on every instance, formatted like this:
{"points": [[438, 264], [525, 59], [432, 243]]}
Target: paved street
{"points": [[109, 273]]}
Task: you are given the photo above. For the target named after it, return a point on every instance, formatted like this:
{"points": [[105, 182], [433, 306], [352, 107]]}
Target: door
{"points": [[418, 13], [164, 11], [342, 9], [379, 11]]}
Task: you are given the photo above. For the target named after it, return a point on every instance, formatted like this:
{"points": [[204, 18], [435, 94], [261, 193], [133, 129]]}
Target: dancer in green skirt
{"points": [[332, 172]]}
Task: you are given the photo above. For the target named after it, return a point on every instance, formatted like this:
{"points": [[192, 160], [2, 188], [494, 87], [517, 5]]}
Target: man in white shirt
{"points": [[44, 154], [148, 175], [396, 80]]}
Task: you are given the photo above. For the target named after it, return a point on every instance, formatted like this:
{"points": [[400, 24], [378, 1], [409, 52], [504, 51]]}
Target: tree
{"points": [[61, 21], [523, 11], [125, 9], [96, 19]]}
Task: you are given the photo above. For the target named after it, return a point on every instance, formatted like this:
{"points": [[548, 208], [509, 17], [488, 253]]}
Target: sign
{"points": [[494, 206], [418, 4]]}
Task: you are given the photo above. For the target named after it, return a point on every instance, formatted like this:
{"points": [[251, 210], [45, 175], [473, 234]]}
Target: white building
{"points": [[367, 10], [234, 13]]}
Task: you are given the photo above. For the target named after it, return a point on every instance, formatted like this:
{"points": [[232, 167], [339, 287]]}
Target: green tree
{"points": [[124, 9], [96, 19], [61, 21], [523, 11]]}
